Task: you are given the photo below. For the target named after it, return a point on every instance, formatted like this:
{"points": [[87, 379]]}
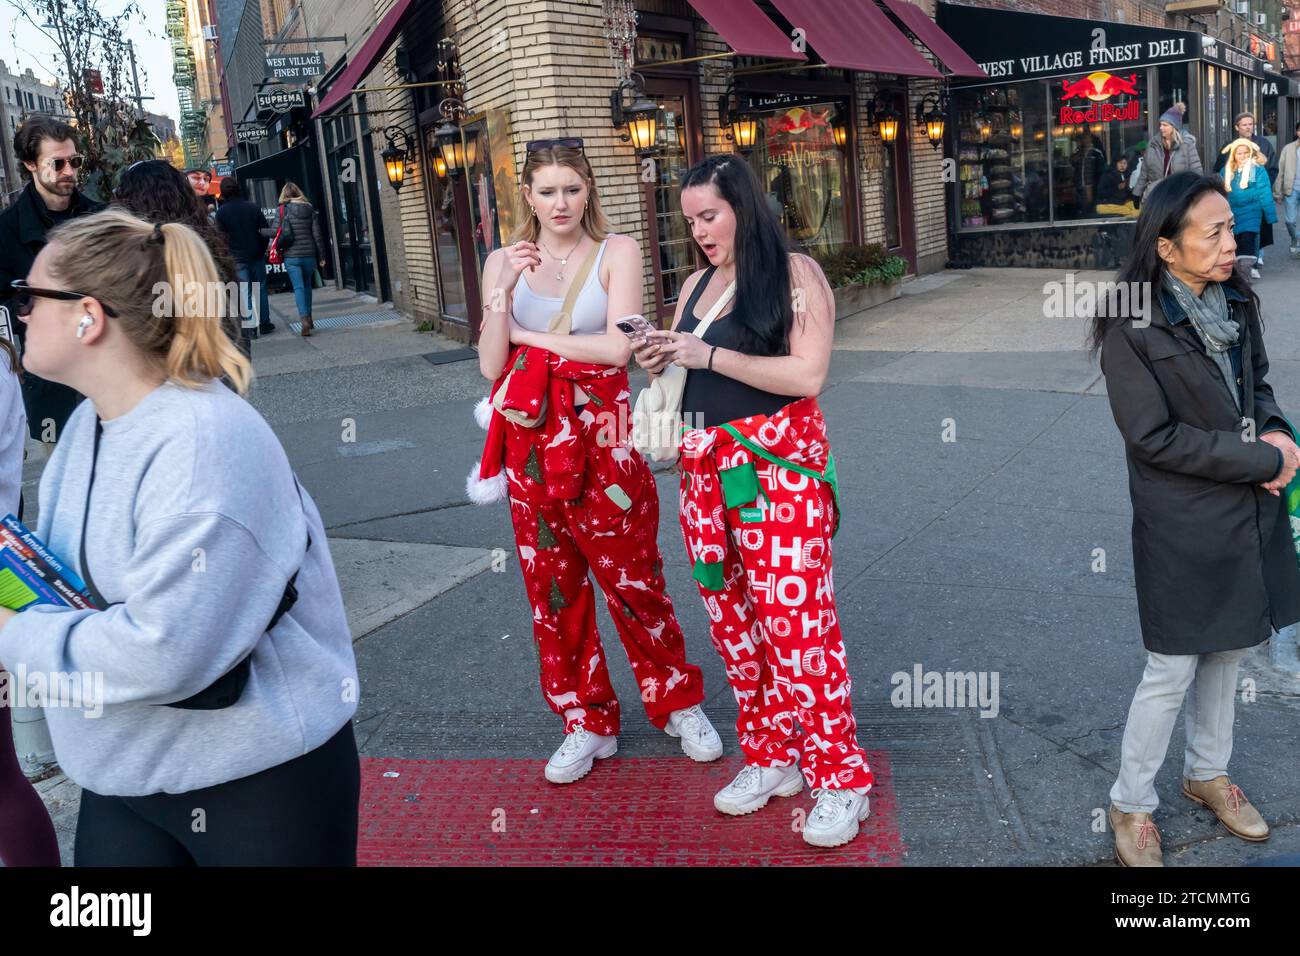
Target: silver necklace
{"points": [[559, 273]]}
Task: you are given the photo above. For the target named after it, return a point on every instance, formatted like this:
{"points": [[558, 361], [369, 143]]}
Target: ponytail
{"points": [[164, 285], [199, 348]]}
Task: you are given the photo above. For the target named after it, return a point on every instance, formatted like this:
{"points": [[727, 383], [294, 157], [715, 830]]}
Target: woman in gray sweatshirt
{"points": [[202, 728]]}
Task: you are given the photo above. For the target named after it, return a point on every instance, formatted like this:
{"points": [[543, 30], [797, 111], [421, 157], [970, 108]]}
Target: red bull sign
{"points": [[1099, 88]]}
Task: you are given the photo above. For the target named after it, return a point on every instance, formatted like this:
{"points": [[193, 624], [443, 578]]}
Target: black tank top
{"points": [[711, 398]]}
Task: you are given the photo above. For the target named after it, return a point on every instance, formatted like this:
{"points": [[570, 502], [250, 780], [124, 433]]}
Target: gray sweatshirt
{"points": [[195, 524]]}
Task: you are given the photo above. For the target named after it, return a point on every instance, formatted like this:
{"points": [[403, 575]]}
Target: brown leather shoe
{"points": [[1230, 805], [306, 326], [1137, 841]]}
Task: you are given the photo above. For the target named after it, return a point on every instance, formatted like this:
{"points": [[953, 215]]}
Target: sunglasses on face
{"points": [[25, 297], [536, 144], [58, 162]]}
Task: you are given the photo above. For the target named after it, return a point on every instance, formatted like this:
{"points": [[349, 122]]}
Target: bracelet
{"points": [[711, 351]]}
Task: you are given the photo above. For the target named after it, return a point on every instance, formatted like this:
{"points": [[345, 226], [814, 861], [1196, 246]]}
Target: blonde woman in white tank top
{"points": [[610, 528]]}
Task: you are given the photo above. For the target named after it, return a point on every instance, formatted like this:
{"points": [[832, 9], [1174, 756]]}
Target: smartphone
{"points": [[635, 326]]}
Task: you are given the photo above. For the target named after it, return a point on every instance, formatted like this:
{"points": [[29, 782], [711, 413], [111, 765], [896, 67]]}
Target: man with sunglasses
{"points": [[47, 150]]}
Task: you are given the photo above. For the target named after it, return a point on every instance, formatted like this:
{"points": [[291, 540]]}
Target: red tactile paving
{"points": [[626, 812]]}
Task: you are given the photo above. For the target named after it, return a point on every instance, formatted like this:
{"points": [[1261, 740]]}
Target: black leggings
{"points": [[300, 813]]}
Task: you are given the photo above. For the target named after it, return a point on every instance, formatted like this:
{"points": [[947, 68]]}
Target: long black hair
{"points": [[1165, 208], [157, 192], [763, 308]]}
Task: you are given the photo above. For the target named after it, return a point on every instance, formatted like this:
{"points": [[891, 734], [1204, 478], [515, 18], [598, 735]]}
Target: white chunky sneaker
{"points": [[834, 821], [699, 740], [574, 758], [754, 786]]}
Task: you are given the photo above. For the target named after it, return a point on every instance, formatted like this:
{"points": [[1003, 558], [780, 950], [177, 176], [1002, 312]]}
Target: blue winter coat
{"points": [[1253, 203]]}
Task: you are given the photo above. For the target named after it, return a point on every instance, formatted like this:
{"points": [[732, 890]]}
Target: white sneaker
{"points": [[754, 786], [574, 758], [1254, 273], [699, 740], [834, 821]]}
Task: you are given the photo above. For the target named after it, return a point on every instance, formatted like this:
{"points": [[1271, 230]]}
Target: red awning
{"points": [[376, 45], [747, 29], [855, 35], [928, 32]]}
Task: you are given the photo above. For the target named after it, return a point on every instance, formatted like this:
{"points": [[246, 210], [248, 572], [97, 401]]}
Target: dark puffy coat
{"points": [[23, 227], [1213, 556], [307, 241]]}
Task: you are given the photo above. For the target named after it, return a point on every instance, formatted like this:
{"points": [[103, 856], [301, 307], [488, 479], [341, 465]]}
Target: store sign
{"points": [[779, 101], [295, 67], [280, 101], [1099, 88], [1011, 45], [1230, 56], [250, 134]]}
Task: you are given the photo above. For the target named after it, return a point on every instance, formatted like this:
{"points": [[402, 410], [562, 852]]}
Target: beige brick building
{"points": [[543, 68]]}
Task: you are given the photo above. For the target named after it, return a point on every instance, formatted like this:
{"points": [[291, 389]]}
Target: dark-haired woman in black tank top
{"points": [[758, 499]]}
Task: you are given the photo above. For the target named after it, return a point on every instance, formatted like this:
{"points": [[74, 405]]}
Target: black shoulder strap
{"points": [[86, 577]]}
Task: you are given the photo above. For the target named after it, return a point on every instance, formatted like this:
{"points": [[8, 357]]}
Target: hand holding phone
{"points": [[635, 326]]}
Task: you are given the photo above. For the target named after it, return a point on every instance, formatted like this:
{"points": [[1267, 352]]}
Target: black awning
{"points": [[1011, 45], [288, 163]]}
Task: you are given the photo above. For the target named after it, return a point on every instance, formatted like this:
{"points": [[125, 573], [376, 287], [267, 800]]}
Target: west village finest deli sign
{"points": [[1048, 64], [1012, 45]]}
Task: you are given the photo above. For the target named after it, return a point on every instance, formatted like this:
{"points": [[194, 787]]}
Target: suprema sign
{"points": [[280, 101]]}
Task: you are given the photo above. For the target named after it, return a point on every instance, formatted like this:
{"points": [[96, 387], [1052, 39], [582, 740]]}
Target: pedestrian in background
{"points": [[230, 690], [1286, 188], [200, 182], [758, 499], [46, 149], [1173, 151], [1250, 196], [247, 232], [302, 246], [1209, 454], [1244, 124], [155, 191]]}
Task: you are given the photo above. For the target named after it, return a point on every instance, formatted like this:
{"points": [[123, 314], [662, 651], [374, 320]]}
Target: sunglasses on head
{"points": [[25, 297], [58, 162], [567, 143]]}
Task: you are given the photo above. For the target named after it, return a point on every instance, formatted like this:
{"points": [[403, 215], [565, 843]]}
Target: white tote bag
{"points": [[657, 418]]}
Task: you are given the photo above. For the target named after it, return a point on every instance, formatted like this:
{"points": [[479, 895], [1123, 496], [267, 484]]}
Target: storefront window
{"points": [[804, 173], [1099, 126], [1002, 139]]}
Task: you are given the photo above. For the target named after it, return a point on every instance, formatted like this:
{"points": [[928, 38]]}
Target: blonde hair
{"points": [[594, 222], [1254, 156], [291, 193], [119, 260]]}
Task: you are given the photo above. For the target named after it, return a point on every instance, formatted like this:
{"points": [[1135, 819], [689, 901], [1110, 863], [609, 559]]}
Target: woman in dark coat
{"points": [[1209, 453]]}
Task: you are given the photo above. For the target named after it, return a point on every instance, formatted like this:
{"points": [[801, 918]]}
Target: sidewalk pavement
{"points": [[980, 472]]}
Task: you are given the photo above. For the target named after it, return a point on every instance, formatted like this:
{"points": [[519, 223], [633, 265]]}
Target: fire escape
{"points": [[193, 120]]}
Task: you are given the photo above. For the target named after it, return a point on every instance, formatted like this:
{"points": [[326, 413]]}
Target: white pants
{"points": [[1209, 683]]}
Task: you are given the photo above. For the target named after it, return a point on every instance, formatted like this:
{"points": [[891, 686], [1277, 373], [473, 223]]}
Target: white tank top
{"points": [[590, 311]]}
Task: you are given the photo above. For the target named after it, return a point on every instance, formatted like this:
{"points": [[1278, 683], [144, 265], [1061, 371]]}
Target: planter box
{"points": [[852, 299]]}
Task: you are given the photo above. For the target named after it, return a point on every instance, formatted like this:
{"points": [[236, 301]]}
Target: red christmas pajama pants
{"points": [[558, 543], [775, 626]]}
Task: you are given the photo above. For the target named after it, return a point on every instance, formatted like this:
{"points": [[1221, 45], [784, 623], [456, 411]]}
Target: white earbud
{"points": [[86, 322]]}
